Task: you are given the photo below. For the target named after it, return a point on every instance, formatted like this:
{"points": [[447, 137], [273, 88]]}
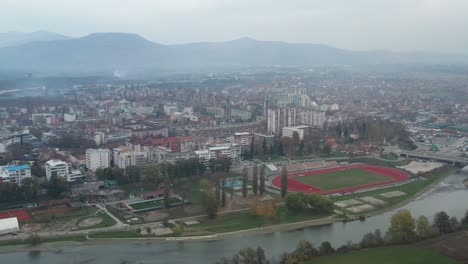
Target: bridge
{"points": [[434, 156]]}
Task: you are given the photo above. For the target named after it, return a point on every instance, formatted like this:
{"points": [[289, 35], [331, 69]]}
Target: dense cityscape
{"points": [[233, 132]]}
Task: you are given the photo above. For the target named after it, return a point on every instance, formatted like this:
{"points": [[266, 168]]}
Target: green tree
{"points": [[153, 173], [167, 191], [34, 240], [262, 179], [248, 256], [37, 170], [295, 201], [442, 223], [255, 179], [464, 220], [244, 182], [30, 189], [57, 186], [306, 248], [423, 228], [208, 198], [326, 249], [223, 191], [284, 181], [264, 146], [280, 148], [402, 227], [327, 149], [133, 174]]}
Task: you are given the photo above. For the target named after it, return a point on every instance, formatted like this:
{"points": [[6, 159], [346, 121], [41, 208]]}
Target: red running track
{"points": [[21, 214], [297, 186]]}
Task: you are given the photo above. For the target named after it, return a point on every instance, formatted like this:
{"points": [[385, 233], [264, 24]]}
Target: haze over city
{"points": [[234, 131], [397, 25]]}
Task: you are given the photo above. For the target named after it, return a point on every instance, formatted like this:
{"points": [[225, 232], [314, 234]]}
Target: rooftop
{"points": [[54, 163], [17, 167]]}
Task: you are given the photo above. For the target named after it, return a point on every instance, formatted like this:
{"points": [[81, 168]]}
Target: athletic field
{"points": [[341, 179]]}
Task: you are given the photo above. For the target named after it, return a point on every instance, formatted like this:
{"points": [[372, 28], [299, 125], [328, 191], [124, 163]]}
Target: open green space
{"points": [[410, 189], [246, 220], [389, 156], [407, 254], [66, 215], [107, 221], [342, 179]]}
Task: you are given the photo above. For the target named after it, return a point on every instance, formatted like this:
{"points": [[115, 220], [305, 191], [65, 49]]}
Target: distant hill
{"points": [[108, 52], [17, 38]]}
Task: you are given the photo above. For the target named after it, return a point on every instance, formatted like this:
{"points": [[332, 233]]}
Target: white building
{"points": [[15, 173], [130, 156], [69, 117], [312, 118], [56, 168], [281, 117], [9, 225], [232, 151], [98, 158], [289, 131], [60, 168]]}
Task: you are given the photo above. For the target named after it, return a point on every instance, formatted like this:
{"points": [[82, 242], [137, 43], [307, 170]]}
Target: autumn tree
{"points": [[402, 227], [423, 227], [208, 199]]}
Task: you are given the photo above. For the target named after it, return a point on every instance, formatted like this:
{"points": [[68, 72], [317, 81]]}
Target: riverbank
{"points": [[219, 233]]}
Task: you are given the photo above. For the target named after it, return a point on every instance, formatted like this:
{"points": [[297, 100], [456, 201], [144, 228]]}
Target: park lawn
{"points": [[407, 254], [342, 179], [107, 221], [63, 216], [246, 220]]}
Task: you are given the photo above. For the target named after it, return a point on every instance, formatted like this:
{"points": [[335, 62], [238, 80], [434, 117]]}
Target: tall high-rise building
{"points": [[311, 117], [281, 117], [98, 158]]}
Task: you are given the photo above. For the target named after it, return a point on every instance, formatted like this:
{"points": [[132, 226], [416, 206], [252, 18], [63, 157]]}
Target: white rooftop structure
{"points": [[9, 225], [56, 162]]}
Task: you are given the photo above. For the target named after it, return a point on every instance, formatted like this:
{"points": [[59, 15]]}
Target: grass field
{"points": [[107, 221], [246, 220], [342, 179], [64, 214], [387, 255]]}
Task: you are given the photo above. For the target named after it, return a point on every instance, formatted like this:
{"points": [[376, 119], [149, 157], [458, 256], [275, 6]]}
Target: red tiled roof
{"points": [[169, 140]]}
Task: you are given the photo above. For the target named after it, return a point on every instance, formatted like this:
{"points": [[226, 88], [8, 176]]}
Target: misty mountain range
{"points": [[108, 52]]}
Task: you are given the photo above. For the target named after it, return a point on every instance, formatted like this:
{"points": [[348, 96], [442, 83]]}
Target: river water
{"points": [[450, 195]]}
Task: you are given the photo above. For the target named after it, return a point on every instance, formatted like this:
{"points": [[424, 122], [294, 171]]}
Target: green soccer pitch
{"points": [[342, 179]]}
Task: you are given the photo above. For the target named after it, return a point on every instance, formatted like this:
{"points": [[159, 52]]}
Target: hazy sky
{"points": [[440, 25]]}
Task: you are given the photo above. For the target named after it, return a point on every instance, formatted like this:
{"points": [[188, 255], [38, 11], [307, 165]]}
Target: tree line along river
{"points": [[450, 195]]}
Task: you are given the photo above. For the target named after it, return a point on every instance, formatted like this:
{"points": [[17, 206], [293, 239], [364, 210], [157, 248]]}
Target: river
{"points": [[450, 195]]}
